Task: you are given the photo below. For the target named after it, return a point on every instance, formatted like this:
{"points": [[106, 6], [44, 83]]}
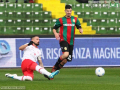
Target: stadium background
{"points": [[21, 20], [39, 18]]}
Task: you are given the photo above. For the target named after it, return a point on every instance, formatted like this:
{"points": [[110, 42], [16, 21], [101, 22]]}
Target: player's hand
{"points": [[80, 30], [30, 43], [57, 36]]}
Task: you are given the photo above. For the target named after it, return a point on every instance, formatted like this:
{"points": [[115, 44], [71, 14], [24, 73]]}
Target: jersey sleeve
{"points": [[78, 25], [26, 47], [57, 24]]}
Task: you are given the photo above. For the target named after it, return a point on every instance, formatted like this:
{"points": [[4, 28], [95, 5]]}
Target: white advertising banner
{"points": [[7, 52]]}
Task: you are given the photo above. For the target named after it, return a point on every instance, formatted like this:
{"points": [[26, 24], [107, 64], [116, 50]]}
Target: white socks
{"points": [[23, 78], [42, 70]]}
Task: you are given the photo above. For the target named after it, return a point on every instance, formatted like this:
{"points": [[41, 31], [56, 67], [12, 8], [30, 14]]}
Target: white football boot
{"points": [[10, 75]]}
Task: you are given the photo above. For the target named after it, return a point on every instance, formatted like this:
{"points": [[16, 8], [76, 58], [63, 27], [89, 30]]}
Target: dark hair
{"points": [[33, 36], [68, 7]]}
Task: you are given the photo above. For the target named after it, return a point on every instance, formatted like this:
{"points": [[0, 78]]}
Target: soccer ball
{"points": [[99, 71]]}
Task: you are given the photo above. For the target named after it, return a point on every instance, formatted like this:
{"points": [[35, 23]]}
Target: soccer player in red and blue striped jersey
{"points": [[66, 36]]}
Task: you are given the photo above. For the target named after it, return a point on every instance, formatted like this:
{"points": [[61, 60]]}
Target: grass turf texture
{"points": [[68, 79]]}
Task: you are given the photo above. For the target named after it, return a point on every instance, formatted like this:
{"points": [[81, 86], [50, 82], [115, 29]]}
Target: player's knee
{"points": [[66, 54], [28, 78]]}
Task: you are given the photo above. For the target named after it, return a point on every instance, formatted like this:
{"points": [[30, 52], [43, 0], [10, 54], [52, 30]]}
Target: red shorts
{"points": [[28, 67]]}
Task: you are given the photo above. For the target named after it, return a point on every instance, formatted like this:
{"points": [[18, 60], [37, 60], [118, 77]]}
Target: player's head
{"points": [[35, 39], [68, 10]]}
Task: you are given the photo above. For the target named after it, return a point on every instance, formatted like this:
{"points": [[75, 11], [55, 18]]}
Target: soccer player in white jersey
{"points": [[30, 57]]}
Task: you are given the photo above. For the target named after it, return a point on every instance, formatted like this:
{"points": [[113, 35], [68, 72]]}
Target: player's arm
{"points": [[56, 26], [78, 25], [25, 45], [40, 61], [56, 34]]}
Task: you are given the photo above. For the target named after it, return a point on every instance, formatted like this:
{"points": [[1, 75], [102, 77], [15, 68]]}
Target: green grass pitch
{"points": [[68, 79]]}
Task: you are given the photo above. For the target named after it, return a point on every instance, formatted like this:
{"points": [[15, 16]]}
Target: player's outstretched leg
{"points": [[45, 72], [21, 78]]}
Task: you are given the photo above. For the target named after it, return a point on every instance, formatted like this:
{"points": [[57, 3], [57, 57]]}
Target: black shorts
{"points": [[65, 47]]}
